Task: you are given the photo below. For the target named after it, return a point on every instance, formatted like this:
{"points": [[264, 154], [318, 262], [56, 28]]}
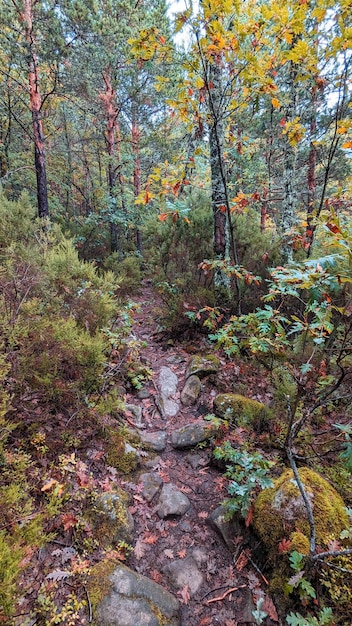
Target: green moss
{"points": [[124, 462], [274, 522], [244, 411], [98, 584], [202, 365], [299, 542], [110, 519]]}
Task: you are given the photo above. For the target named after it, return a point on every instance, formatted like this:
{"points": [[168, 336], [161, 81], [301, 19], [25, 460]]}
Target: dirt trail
{"points": [[231, 586]]}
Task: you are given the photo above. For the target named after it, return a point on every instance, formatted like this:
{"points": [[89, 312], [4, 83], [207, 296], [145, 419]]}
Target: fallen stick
{"points": [[226, 594]]}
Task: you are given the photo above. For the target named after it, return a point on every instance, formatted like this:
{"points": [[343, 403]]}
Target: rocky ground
{"points": [[181, 540]]}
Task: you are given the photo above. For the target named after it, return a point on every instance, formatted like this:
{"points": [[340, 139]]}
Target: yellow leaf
{"points": [[199, 82], [275, 103]]}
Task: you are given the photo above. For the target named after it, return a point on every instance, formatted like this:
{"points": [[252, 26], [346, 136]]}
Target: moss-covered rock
{"points": [[110, 518], [120, 453], [280, 512], [241, 410], [203, 365]]}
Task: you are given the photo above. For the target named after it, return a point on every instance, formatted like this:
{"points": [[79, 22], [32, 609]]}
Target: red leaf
{"points": [[284, 545], [68, 520], [334, 229]]}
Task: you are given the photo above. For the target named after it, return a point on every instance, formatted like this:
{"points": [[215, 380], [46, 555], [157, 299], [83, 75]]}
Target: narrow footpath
{"points": [[182, 541]]}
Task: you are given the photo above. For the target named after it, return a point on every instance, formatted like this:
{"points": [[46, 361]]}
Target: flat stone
{"points": [[135, 600], [190, 392], [155, 441], [203, 365], [183, 572], [143, 394], [172, 501], [167, 381], [190, 435], [151, 484]]}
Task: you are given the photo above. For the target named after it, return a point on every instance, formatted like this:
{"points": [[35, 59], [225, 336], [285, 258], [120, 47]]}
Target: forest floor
{"points": [[74, 460]]}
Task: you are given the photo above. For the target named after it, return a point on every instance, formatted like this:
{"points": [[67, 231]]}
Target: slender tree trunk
{"points": [[312, 182], [136, 152], [108, 99], [35, 98], [289, 202]]}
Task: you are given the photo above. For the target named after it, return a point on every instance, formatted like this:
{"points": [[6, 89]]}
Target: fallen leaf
{"points": [[185, 594], [182, 553], [58, 574], [269, 608], [139, 549], [68, 520], [203, 514], [151, 539], [284, 546], [169, 553]]}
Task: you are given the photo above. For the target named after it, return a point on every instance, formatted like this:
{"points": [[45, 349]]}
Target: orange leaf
{"points": [[182, 553], [284, 545], [68, 520], [347, 145], [162, 217], [151, 539], [249, 518]]}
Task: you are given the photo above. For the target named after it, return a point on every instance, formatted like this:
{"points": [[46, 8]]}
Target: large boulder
{"points": [[241, 410], [122, 597], [280, 513], [191, 435]]}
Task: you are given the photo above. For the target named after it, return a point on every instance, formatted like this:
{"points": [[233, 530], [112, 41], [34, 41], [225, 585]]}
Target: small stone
{"points": [[151, 484], [229, 530], [203, 365], [190, 435], [172, 502], [183, 572], [190, 392], [154, 441], [143, 394]]}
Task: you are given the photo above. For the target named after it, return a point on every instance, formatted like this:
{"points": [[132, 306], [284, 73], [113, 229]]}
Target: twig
{"points": [[212, 591], [90, 618], [226, 594], [257, 569], [321, 555]]}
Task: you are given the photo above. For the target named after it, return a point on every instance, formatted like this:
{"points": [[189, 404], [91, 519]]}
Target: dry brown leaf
{"points": [[270, 609], [150, 538], [185, 594], [169, 553], [139, 549], [182, 553]]}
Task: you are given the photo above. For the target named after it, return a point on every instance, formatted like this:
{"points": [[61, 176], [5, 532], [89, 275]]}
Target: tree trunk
{"points": [[108, 99], [136, 152], [35, 99], [289, 203]]}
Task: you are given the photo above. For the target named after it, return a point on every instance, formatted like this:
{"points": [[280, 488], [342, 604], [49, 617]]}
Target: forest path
{"points": [[184, 553]]}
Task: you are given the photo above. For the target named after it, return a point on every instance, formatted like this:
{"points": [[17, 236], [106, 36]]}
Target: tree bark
{"points": [[289, 193], [136, 152], [35, 98]]}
